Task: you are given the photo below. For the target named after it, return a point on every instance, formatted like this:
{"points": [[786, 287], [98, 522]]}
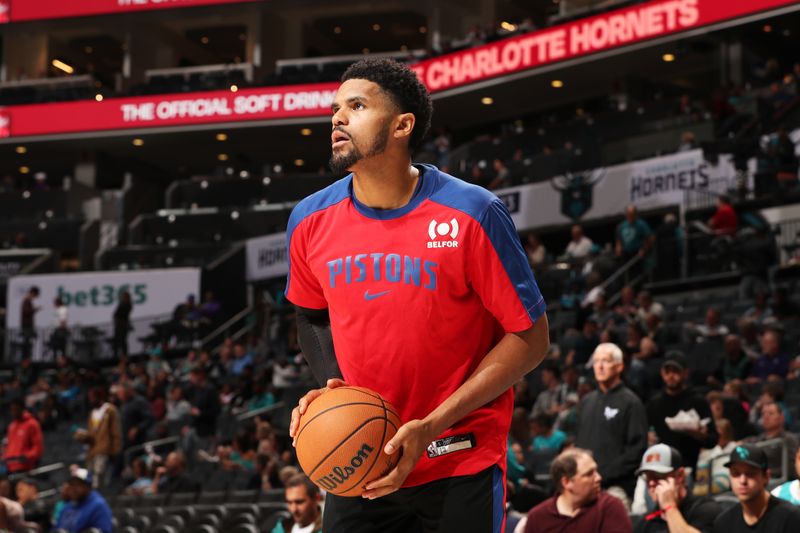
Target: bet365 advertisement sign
{"points": [[92, 297]]}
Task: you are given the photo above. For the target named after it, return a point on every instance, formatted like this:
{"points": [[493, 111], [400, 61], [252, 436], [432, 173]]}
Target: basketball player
{"points": [[413, 283]]}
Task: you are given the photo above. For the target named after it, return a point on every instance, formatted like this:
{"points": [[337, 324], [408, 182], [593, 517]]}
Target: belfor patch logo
{"points": [[443, 234], [5, 122]]}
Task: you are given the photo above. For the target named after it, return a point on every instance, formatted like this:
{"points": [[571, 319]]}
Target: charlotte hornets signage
{"points": [[266, 257], [597, 193]]}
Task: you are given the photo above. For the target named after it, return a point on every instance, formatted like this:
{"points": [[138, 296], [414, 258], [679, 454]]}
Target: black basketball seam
{"points": [[385, 420], [371, 395], [356, 430], [331, 409]]}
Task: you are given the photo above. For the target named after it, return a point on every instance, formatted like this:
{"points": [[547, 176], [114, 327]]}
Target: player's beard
{"points": [[341, 162]]}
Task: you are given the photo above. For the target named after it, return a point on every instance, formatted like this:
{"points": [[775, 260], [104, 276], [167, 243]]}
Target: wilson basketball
{"points": [[341, 436]]}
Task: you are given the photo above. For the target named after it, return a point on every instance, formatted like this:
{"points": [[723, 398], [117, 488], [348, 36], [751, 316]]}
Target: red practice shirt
{"points": [[417, 296]]}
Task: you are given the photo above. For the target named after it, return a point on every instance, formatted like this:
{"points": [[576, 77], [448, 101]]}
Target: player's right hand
{"points": [[304, 402]]}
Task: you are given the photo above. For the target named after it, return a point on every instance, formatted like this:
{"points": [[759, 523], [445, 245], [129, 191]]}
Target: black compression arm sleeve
{"points": [[316, 341]]}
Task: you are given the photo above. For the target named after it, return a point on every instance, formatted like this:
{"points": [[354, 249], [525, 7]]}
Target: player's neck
{"points": [[385, 183]]}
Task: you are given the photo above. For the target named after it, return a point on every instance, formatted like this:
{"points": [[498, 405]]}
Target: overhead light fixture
{"points": [[423, 29], [508, 26], [487, 100], [138, 142], [767, 28], [98, 97], [60, 65], [234, 215], [88, 49], [204, 39], [299, 162], [305, 132], [222, 157], [24, 170], [337, 30], [557, 84], [234, 88], [376, 27], [669, 58], [21, 150], [222, 137]]}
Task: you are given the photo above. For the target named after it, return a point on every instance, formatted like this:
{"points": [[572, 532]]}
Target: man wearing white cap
{"points": [[87, 509], [677, 510]]}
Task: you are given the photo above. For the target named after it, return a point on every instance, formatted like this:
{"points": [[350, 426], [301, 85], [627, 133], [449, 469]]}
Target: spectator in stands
{"points": [[579, 246], [725, 220], [87, 508], [633, 236], [748, 335], [58, 339], [12, 516], [773, 424], [736, 365], [178, 409], [790, 491], [171, 478], [669, 248], [647, 306], [676, 397], [205, 403], [136, 415], [758, 510], [677, 510], [36, 511], [760, 312], [103, 436], [602, 315], [210, 308], [688, 142], [579, 504], [544, 436], [612, 422], [502, 177], [24, 445], [142, 480], [27, 315], [585, 344], [772, 361], [537, 254], [720, 482], [627, 307], [242, 359], [710, 329], [122, 324], [303, 500]]}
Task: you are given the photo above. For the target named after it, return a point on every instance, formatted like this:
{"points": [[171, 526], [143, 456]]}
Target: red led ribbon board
{"points": [[22, 10], [583, 37], [186, 109]]}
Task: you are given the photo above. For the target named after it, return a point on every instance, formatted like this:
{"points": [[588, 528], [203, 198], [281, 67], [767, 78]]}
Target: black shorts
{"points": [[463, 504]]}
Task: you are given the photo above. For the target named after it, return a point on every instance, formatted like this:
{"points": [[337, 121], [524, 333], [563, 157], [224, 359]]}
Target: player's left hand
{"points": [[412, 439]]}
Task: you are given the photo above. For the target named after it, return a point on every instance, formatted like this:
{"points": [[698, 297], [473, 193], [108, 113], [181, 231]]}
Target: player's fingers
{"points": [[335, 382], [310, 396], [293, 423], [396, 442]]}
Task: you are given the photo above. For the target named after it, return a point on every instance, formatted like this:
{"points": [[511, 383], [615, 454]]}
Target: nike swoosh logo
{"points": [[368, 296]]}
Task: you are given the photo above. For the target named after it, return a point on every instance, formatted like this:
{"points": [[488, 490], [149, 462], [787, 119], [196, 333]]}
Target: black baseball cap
{"points": [[675, 359], [750, 455]]}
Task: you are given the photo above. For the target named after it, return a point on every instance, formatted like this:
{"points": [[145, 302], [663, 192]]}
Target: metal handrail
{"points": [[260, 411], [139, 447], [226, 325], [46, 469]]}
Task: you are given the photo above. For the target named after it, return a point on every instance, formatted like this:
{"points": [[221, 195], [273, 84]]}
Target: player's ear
{"points": [[404, 125]]}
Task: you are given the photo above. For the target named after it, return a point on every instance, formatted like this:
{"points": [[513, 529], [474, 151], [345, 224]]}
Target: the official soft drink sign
{"points": [[91, 297]]}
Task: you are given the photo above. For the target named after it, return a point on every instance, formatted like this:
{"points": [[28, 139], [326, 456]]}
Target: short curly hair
{"points": [[404, 88]]}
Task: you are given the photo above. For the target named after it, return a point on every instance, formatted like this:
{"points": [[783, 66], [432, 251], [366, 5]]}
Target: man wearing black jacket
{"points": [[675, 398], [613, 424]]}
